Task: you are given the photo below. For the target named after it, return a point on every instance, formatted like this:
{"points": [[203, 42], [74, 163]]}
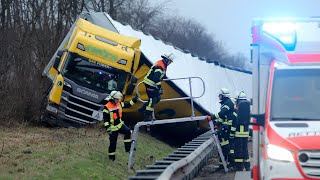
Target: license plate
{"points": [[98, 115]]}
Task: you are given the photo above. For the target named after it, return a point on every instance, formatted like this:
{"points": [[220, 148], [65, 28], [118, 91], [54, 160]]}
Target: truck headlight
{"points": [[279, 153], [51, 108]]}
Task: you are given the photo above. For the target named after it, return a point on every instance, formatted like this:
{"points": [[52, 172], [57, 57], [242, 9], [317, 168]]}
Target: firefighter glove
{"points": [[135, 98], [161, 91], [208, 118], [109, 131]]}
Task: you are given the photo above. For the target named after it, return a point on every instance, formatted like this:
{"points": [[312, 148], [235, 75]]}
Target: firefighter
{"points": [[223, 120], [112, 114], [241, 158], [152, 82]]}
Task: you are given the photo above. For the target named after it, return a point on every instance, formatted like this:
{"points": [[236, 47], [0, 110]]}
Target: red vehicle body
{"points": [[286, 96]]}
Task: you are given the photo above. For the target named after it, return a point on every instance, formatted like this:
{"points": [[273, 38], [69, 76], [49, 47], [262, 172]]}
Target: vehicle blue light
{"points": [[284, 32]]}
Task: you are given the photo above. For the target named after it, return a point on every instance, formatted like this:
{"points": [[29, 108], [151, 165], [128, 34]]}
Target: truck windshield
{"points": [[296, 95], [93, 74]]}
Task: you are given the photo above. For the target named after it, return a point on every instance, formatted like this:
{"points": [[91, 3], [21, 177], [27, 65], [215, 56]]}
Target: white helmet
{"points": [[114, 95], [224, 92], [241, 96], [169, 57]]}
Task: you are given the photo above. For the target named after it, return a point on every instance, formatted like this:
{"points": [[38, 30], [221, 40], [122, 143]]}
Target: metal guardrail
{"points": [[184, 163], [149, 123]]}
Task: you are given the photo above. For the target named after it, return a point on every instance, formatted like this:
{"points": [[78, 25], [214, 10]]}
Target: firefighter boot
{"points": [[112, 157], [147, 116], [247, 165], [142, 108]]}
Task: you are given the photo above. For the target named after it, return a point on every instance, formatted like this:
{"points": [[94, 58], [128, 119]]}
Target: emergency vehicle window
{"points": [[295, 95], [93, 74]]}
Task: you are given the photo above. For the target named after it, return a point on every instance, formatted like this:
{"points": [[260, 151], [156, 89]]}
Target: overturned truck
{"points": [[98, 50]]}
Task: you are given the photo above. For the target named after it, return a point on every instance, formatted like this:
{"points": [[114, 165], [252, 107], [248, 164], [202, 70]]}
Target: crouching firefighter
{"points": [[223, 120], [112, 114], [241, 155]]}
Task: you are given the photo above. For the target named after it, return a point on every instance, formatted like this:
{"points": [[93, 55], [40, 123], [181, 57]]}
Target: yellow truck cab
{"points": [[90, 63]]}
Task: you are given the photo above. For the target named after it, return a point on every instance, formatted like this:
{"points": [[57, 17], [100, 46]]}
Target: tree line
{"points": [[31, 31]]}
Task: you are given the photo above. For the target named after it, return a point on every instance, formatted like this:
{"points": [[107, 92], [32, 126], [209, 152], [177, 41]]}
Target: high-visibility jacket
{"points": [[155, 75], [112, 113]]}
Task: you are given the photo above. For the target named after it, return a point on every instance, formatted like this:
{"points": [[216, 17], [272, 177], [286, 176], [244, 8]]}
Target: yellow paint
{"points": [[56, 91], [121, 47]]}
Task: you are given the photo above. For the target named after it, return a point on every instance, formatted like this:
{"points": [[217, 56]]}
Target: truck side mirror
{"points": [[132, 85], [60, 53], [243, 112], [57, 60], [56, 63]]}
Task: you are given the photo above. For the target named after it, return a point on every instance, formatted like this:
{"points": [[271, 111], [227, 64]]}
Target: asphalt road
{"points": [[209, 172]]}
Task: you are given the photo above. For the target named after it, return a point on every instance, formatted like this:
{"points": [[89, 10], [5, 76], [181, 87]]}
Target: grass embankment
{"points": [[42, 153]]}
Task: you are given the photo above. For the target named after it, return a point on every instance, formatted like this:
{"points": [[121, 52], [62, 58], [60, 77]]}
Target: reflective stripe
{"points": [[158, 83], [149, 108], [111, 118], [158, 70], [235, 114], [115, 108], [238, 160], [225, 106], [112, 153], [106, 124], [127, 140], [106, 111], [117, 127], [231, 151], [149, 82], [122, 104], [223, 142], [218, 117], [230, 122], [233, 129], [242, 133], [246, 160], [131, 103]]}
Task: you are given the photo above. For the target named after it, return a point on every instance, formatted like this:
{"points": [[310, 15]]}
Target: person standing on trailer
{"points": [[152, 82]]}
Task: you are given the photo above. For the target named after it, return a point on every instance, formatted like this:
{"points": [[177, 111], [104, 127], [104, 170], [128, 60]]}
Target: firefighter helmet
{"points": [[168, 58], [224, 92], [114, 95], [241, 96]]}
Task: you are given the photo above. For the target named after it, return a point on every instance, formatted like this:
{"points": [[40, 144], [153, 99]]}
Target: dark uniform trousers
{"points": [[223, 135], [114, 136], [154, 98], [241, 153]]}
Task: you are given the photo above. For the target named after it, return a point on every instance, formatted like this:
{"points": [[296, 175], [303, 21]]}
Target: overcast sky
{"points": [[230, 20]]}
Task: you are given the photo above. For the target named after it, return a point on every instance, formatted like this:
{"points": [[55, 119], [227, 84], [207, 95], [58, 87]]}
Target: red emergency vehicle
{"points": [[286, 99]]}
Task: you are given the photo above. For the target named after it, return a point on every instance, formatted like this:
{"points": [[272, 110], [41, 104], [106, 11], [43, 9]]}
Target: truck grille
{"points": [[77, 108], [310, 163]]}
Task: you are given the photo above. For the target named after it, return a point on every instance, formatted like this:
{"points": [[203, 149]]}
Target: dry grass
{"points": [[43, 153]]}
